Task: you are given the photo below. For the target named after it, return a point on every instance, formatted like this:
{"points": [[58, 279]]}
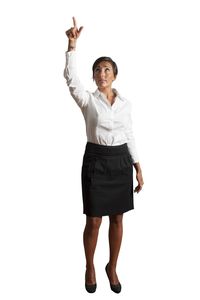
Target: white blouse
{"points": [[106, 124]]}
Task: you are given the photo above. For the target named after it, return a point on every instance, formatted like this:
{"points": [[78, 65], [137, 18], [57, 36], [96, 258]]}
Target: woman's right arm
{"points": [[70, 72]]}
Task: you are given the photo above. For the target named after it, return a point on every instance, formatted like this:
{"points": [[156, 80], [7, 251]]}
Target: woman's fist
{"points": [[73, 33]]}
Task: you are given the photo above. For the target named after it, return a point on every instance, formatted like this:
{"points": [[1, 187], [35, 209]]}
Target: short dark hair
{"points": [[108, 59]]}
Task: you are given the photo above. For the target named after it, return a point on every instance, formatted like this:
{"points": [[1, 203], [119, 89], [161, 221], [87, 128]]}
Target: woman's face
{"points": [[103, 75]]}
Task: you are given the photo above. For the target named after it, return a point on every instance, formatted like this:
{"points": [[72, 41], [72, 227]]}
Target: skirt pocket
{"points": [[130, 160], [88, 166], [127, 164]]}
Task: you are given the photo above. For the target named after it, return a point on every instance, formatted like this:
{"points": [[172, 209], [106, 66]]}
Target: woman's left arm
{"points": [[133, 150]]}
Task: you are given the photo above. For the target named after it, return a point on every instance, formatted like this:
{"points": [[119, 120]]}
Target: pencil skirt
{"points": [[107, 180]]}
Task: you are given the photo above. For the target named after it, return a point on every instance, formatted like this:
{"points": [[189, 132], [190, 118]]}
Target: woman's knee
{"points": [[116, 219], [93, 222]]}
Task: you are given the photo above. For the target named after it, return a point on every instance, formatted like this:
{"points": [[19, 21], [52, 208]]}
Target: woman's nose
{"points": [[102, 73]]}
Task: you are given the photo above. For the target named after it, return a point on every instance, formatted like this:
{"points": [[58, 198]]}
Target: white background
{"points": [[42, 139]]}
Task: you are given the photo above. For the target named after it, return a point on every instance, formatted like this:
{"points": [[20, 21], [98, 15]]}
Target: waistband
{"points": [[106, 150]]}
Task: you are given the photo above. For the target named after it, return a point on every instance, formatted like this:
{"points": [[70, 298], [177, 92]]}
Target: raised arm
{"points": [[80, 95]]}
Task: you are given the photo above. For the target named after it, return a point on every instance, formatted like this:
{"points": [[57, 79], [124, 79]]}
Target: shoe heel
{"points": [[116, 288]]}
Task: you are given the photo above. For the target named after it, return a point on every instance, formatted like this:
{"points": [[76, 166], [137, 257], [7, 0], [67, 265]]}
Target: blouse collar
{"points": [[98, 93]]}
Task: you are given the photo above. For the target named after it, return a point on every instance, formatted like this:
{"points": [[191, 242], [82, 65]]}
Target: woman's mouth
{"points": [[102, 81]]}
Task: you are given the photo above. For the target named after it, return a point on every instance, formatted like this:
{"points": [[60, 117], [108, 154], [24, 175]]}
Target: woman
{"points": [[110, 154]]}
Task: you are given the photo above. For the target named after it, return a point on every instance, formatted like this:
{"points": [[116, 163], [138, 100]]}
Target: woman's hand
{"points": [[138, 177], [73, 33], [140, 182]]}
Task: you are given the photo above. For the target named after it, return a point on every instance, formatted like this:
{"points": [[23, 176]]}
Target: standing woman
{"points": [[110, 154]]}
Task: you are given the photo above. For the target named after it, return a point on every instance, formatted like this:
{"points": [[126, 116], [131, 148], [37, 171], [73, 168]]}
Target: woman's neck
{"points": [[109, 93]]}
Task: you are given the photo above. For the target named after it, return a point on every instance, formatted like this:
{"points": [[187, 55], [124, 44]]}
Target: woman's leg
{"points": [[90, 236], [115, 238]]}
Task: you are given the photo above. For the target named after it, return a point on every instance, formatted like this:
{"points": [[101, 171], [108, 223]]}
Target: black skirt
{"points": [[107, 180]]}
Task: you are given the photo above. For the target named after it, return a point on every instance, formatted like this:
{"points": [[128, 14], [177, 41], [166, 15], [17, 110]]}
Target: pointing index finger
{"points": [[74, 22]]}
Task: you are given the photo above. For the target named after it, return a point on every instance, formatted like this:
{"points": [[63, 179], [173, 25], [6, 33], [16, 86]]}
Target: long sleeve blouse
{"points": [[106, 124]]}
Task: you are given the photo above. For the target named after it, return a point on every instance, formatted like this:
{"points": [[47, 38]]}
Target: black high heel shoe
{"points": [[90, 288], [116, 288]]}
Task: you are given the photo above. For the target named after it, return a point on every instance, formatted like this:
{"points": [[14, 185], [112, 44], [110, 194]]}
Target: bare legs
{"points": [[90, 236], [115, 239]]}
